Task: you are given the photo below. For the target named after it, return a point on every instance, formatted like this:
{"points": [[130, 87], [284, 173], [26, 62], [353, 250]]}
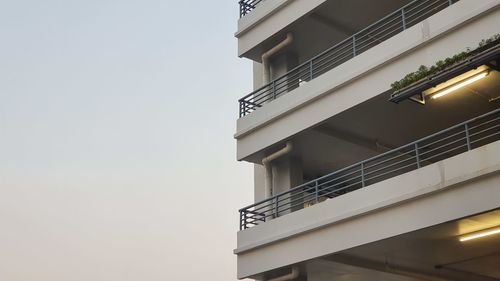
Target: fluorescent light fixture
{"points": [[481, 234], [461, 84]]}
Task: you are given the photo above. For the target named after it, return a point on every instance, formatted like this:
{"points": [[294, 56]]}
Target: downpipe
{"points": [[266, 161], [266, 78]]}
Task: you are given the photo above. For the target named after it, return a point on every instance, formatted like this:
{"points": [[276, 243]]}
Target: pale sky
{"points": [[117, 160]]}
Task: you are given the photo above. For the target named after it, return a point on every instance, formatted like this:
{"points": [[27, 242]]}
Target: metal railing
{"points": [[247, 5], [407, 16], [442, 145]]}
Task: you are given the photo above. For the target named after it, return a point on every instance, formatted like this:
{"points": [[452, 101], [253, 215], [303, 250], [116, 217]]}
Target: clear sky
{"points": [[117, 160]]}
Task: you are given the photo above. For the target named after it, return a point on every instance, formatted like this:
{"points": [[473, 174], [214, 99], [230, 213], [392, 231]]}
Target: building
{"points": [[358, 177]]}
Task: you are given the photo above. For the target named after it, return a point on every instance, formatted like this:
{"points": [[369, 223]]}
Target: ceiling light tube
{"points": [[480, 234], [461, 84]]}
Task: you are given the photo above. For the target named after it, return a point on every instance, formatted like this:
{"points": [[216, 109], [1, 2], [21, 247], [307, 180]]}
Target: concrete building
{"points": [[357, 177]]}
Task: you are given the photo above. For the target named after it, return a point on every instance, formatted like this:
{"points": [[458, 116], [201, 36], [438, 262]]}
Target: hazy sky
{"points": [[117, 160]]}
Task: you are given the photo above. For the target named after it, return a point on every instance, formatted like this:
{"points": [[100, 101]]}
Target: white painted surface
{"points": [[456, 187], [259, 25], [452, 30]]}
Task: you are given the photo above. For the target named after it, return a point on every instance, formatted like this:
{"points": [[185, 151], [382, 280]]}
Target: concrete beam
{"points": [[394, 268]]}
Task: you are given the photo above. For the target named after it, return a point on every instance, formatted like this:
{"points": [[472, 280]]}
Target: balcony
{"points": [[361, 41], [447, 143]]}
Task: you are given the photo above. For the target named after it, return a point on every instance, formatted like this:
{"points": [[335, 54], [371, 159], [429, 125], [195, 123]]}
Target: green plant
{"points": [[424, 71]]}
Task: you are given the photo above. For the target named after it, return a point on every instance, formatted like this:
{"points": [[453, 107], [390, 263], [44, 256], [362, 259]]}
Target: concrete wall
{"points": [[268, 18], [453, 188], [452, 30]]}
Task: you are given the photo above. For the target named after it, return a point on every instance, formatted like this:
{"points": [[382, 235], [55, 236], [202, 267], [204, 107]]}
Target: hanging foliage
{"points": [[424, 71]]}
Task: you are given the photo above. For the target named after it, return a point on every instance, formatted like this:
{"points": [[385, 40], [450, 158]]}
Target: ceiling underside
{"points": [[433, 253], [378, 125], [332, 22]]}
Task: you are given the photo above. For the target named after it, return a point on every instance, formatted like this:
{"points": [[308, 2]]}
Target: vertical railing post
{"points": [[241, 220], [276, 214], [403, 18], [467, 136], [417, 156], [353, 46], [362, 167], [450, 2], [273, 89], [310, 70], [244, 220], [316, 192]]}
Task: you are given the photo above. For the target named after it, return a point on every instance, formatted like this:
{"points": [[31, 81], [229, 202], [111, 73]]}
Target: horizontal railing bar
{"points": [[388, 166], [291, 196], [340, 177], [396, 21], [264, 216], [251, 212], [399, 153], [418, 19], [325, 64], [333, 53], [444, 152], [485, 137], [464, 138], [343, 188], [419, 12], [391, 171], [260, 215], [485, 123], [301, 203], [338, 183], [424, 146], [409, 9], [264, 206], [393, 30]]}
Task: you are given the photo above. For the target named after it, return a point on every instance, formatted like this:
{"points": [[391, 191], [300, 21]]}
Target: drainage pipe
{"points": [[290, 276], [269, 53], [266, 161]]}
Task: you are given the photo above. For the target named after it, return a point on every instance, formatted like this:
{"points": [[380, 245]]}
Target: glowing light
{"points": [[480, 234], [459, 85]]}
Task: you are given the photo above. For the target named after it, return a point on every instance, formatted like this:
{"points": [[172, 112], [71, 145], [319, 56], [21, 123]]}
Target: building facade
{"points": [[374, 134]]}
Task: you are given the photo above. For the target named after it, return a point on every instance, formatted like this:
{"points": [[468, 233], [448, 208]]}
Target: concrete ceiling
{"points": [[331, 22], [433, 253], [378, 125], [321, 269]]}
